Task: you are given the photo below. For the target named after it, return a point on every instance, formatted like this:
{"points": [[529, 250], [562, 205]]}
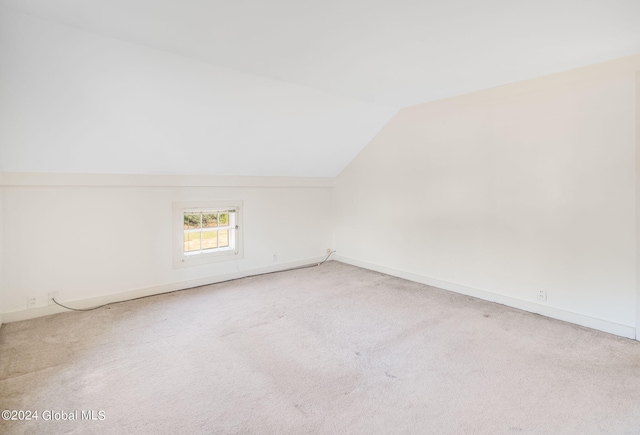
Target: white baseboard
{"points": [[16, 316], [533, 307]]}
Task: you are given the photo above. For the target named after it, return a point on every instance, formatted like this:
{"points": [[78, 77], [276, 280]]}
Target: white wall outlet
{"points": [[31, 302], [53, 295], [542, 295], [274, 257]]}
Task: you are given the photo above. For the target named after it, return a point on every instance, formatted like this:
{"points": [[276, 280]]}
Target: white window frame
{"points": [[184, 259]]}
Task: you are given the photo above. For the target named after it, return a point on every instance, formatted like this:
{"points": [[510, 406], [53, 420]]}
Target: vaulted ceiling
{"points": [[305, 84]]}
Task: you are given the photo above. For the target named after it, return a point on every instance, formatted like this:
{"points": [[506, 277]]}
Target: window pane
{"points": [[223, 238], [209, 239], [224, 219], [191, 241], [191, 220], [209, 220]]}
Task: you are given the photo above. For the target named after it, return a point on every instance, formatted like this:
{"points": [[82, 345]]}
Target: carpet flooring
{"points": [[331, 349]]}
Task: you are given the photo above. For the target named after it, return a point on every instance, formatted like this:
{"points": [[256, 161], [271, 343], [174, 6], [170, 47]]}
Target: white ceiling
{"points": [[72, 101], [256, 87], [395, 52]]}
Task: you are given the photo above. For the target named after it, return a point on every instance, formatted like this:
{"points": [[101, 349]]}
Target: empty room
{"points": [[337, 217]]}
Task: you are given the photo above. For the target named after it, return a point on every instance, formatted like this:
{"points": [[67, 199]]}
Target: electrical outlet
{"points": [[542, 295], [31, 302], [329, 251], [274, 257], [53, 295]]}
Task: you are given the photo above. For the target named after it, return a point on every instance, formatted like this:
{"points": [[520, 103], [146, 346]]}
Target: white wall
{"points": [[1, 249], [72, 101], [499, 193], [638, 206], [505, 192], [89, 236]]}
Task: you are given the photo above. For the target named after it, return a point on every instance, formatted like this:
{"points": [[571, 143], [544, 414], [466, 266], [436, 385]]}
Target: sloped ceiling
{"points": [[281, 87]]}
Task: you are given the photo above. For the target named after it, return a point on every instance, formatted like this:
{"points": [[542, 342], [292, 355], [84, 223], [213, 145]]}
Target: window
{"points": [[209, 231], [206, 232]]}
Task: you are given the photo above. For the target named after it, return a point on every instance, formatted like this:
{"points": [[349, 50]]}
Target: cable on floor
{"points": [[306, 266]]}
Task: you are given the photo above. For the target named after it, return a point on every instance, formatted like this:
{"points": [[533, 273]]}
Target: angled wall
{"points": [[506, 192], [72, 101], [80, 113]]}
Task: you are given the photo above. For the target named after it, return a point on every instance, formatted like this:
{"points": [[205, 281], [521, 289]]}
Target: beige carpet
{"points": [[332, 349]]}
